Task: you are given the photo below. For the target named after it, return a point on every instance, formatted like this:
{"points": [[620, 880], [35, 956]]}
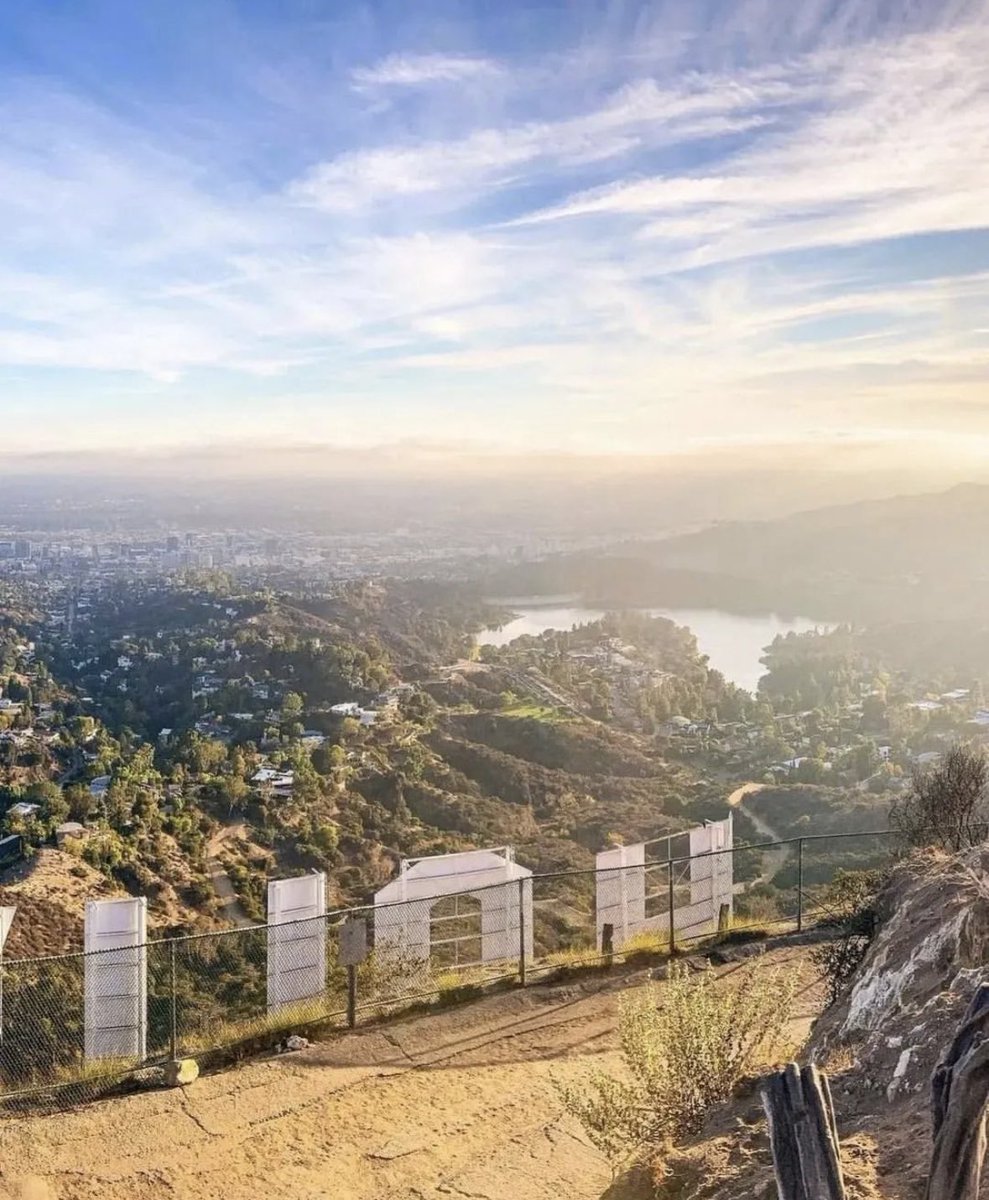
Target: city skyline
{"points": [[578, 228]]}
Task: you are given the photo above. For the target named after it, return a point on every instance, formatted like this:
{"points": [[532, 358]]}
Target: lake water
{"points": [[732, 642]]}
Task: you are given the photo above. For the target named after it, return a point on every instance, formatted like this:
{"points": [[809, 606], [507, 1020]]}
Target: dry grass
{"points": [[647, 943]]}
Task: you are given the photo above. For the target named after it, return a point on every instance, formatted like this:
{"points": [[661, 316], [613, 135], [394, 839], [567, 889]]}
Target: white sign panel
{"points": [[622, 887], [6, 920], [116, 979], [296, 940], [621, 892], [404, 908]]}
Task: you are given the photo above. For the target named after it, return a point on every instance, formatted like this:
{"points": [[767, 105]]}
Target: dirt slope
{"points": [[456, 1104], [50, 891]]}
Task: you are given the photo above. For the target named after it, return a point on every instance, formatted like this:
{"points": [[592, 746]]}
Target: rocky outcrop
{"points": [[910, 993], [879, 1044]]}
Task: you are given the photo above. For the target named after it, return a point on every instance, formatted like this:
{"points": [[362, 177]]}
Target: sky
{"points": [[580, 227]]}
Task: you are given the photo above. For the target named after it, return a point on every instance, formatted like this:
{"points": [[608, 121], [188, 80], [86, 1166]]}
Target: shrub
{"points": [[756, 911], [685, 1046], [454, 987], [850, 905], [947, 804]]}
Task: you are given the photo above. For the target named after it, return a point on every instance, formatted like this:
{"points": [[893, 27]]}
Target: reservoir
{"points": [[733, 642]]}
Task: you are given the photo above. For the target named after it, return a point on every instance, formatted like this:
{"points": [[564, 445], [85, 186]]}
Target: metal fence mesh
{"points": [[209, 992]]}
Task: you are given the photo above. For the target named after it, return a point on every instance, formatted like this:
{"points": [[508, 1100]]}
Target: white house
{"points": [[23, 809], [276, 780]]}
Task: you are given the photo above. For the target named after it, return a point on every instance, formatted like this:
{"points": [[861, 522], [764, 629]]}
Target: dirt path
{"points": [[776, 858], [456, 1104], [231, 908]]}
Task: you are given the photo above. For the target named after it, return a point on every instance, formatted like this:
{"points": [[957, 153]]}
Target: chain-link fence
{"points": [[211, 994]]}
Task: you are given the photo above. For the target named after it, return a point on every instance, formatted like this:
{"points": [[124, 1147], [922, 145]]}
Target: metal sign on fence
{"points": [[353, 942], [116, 978], [296, 940]]}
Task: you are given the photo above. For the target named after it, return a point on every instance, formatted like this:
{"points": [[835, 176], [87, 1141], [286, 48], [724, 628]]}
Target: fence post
{"points": [[800, 885], [522, 932], [673, 932], [174, 1041], [608, 945], [351, 996]]}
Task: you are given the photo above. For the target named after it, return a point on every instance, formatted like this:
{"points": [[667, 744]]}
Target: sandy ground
{"points": [[459, 1103]]}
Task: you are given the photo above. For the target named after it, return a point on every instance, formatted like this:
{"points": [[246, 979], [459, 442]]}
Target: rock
{"points": [[293, 1042], [181, 1071]]}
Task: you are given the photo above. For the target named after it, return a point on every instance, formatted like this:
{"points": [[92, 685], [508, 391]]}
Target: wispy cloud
{"points": [[414, 70], [895, 145], [677, 224]]}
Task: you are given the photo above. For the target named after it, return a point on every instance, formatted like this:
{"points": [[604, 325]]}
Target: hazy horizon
{"points": [[640, 229]]}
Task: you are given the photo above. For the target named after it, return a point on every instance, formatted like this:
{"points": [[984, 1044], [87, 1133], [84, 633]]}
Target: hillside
{"points": [[879, 1045], [906, 535], [911, 557], [159, 721]]}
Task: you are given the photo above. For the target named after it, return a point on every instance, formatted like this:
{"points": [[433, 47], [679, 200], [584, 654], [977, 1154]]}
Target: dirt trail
{"points": [[231, 908], [455, 1104], [776, 858]]}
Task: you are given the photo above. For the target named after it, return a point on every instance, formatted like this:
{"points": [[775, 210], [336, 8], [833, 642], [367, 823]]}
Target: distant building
{"points": [[23, 809], [69, 830]]}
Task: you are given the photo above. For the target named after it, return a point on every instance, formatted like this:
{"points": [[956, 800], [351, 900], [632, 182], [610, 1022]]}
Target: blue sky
{"points": [[576, 226]]}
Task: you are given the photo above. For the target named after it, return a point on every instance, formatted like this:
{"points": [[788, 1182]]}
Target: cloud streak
{"points": [[642, 238], [416, 70]]}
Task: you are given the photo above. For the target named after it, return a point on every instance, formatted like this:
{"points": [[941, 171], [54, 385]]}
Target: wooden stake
{"points": [[803, 1134]]}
